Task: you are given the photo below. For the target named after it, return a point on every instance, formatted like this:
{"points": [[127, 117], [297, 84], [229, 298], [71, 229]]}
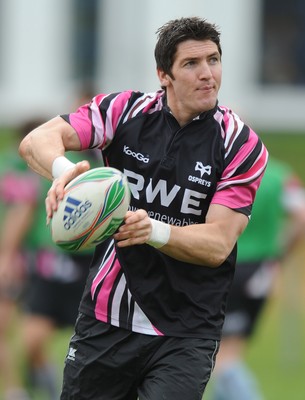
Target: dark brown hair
{"points": [[179, 30]]}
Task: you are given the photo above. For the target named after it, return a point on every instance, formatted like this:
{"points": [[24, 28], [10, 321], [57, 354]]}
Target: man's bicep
{"points": [[67, 133]]}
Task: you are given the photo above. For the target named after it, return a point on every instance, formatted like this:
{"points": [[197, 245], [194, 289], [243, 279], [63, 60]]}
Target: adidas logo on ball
{"points": [[74, 210], [92, 209]]}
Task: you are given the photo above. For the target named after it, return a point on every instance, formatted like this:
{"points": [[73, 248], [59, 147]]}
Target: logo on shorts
{"points": [[71, 354], [74, 210]]}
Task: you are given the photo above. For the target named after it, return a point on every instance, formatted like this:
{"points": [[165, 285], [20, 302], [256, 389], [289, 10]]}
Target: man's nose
{"points": [[205, 71]]}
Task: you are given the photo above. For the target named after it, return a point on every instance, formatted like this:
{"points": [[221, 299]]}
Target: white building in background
{"points": [[37, 56]]}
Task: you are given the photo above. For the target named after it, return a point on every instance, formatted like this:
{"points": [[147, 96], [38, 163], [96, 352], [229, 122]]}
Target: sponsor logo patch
{"points": [[138, 156]]}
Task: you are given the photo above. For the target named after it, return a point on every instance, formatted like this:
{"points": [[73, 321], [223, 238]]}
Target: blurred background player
{"points": [[17, 203], [52, 281], [276, 226]]}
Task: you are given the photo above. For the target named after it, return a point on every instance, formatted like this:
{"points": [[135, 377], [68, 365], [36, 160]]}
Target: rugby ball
{"points": [[92, 209]]}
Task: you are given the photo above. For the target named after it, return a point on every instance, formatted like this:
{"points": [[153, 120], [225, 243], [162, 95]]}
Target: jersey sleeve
{"points": [[246, 159], [95, 123]]}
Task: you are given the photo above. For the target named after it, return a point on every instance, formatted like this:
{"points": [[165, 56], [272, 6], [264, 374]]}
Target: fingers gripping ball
{"points": [[92, 209]]}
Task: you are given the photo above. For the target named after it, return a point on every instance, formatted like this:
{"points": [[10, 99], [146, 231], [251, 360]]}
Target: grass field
{"points": [[277, 351], [289, 148]]}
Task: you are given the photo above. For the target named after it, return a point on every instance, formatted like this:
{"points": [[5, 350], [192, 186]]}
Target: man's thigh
{"points": [[179, 370], [110, 363]]}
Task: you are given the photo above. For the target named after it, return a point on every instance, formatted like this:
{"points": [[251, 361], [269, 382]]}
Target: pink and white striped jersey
{"points": [[174, 173]]}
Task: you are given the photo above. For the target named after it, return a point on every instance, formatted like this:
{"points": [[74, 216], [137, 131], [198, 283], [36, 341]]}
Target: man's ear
{"points": [[163, 78]]}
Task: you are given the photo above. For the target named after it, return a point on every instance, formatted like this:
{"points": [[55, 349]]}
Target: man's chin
{"points": [[208, 105]]}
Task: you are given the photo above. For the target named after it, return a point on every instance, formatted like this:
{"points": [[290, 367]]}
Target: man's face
{"points": [[196, 78]]}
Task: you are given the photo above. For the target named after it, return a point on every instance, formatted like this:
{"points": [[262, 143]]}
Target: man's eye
{"points": [[190, 63], [214, 60]]}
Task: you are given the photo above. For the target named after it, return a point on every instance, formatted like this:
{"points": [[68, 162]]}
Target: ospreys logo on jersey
{"points": [[74, 210], [203, 169]]}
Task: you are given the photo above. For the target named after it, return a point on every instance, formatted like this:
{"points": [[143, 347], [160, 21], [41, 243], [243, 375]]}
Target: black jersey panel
{"points": [[172, 172], [177, 296]]}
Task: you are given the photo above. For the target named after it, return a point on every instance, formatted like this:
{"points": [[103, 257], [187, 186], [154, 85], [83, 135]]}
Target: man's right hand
{"points": [[57, 190]]}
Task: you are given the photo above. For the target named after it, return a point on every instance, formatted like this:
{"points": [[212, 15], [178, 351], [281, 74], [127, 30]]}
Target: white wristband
{"points": [[160, 233], [60, 165]]}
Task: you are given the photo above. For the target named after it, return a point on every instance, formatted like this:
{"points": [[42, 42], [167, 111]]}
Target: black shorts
{"points": [[250, 289], [56, 299], [109, 363]]}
